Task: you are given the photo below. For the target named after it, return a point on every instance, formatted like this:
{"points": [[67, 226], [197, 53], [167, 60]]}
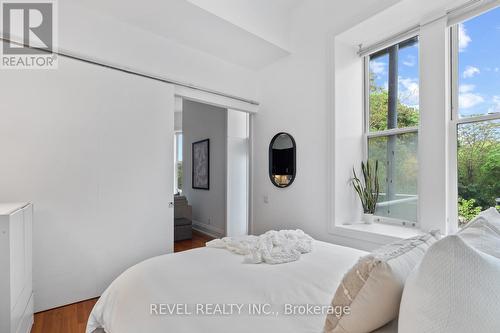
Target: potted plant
{"points": [[368, 189]]}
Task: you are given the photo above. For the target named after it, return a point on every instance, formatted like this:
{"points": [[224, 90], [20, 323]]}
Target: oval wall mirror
{"points": [[282, 150]]}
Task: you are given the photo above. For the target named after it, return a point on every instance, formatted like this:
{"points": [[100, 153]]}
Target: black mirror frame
{"points": [[271, 159]]}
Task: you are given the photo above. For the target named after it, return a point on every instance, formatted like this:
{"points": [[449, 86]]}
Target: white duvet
{"points": [[201, 291]]}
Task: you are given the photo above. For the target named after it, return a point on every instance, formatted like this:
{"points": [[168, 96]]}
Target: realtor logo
{"points": [[29, 35]]}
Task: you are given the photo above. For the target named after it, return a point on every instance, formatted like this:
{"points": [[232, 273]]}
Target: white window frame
{"points": [[456, 121], [385, 133]]}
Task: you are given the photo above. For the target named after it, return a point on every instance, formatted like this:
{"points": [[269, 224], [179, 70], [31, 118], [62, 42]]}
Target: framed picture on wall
{"points": [[201, 165]]}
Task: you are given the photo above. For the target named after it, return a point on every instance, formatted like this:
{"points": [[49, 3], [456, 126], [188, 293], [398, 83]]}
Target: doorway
{"points": [[211, 170]]}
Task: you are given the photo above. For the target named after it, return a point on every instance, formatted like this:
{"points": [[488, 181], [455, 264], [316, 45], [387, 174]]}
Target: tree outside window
{"points": [[478, 114]]}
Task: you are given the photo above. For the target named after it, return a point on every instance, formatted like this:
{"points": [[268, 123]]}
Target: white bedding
{"points": [[215, 276], [273, 247]]}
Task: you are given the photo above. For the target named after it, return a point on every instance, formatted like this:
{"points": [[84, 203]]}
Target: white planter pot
{"points": [[368, 218]]}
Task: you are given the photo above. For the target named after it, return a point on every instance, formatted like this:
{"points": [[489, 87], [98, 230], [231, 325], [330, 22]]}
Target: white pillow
{"points": [[455, 289], [490, 216], [483, 232]]}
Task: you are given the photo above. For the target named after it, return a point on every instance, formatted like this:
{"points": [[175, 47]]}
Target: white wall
{"points": [[92, 149], [199, 122], [107, 39], [294, 98], [348, 132]]}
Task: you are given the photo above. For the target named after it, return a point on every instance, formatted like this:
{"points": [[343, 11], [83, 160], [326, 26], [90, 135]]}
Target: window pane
{"points": [[379, 80], [178, 172], [398, 170], [478, 168], [179, 146], [479, 65], [408, 85], [394, 73]]}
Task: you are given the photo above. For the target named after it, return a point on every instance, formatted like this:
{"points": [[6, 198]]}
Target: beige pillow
{"points": [[372, 288]]}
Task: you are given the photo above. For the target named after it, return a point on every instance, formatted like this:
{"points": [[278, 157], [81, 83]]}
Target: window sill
{"points": [[377, 233]]}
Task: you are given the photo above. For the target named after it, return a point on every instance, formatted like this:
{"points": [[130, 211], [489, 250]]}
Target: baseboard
{"points": [[205, 233], [208, 229]]}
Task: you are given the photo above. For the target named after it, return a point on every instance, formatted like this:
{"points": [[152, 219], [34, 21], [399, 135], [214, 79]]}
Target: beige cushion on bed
{"points": [[373, 287]]}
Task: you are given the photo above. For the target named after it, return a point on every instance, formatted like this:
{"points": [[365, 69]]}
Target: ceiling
{"points": [[285, 4], [249, 33]]}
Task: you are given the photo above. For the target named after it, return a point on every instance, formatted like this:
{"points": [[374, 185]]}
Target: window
{"points": [[391, 128], [476, 113], [178, 171]]}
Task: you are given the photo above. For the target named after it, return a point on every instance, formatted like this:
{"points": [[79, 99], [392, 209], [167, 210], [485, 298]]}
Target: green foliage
{"points": [[179, 175], [406, 163], [467, 210], [478, 154], [379, 98], [479, 162], [368, 190]]}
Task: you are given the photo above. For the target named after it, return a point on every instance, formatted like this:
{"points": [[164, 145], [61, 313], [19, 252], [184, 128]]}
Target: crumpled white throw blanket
{"points": [[273, 247]]}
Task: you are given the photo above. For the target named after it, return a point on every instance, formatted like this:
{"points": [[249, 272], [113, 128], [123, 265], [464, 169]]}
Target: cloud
{"points": [[409, 91], [495, 108], [470, 71], [463, 38], [465, 88], [410, 61], [377, 67], [469, 99]]}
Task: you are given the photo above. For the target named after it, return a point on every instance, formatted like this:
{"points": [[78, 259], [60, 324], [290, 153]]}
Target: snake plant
{"points": [[368, 189]]}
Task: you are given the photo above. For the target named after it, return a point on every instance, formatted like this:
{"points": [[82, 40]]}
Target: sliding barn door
{"points": [[92, 148]]}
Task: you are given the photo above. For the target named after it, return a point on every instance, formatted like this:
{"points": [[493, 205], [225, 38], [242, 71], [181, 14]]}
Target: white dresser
{"points": [[16, 291]]}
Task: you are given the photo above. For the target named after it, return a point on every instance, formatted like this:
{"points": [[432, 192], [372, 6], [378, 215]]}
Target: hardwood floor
{"points": [[66, 319], [73, 318], [199, 239]]}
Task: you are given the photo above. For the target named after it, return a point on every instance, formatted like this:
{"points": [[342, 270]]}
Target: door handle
{"points": [[170, 204]]}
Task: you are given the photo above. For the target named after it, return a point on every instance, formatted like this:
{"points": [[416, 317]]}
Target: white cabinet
{"points": [[16, 286]]}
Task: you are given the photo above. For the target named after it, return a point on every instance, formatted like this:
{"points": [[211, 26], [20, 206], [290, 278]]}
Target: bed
{"points": [[200, 281]]}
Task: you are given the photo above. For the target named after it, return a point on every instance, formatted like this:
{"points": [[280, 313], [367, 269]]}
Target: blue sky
{"points": [[479, 67], [479, 64]]}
